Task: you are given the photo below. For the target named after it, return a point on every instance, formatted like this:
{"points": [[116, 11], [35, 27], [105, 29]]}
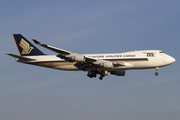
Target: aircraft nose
{"points": [[171, 59], [168, 60]]}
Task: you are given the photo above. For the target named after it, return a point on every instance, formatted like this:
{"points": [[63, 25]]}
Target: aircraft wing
{"points": [[83, 62], [61, 51], [63, 54]]}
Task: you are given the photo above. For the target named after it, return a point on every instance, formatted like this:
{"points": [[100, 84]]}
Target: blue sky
{"points": [[30, 92]]}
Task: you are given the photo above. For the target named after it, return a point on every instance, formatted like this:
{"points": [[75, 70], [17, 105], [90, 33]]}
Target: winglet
{"points": [[36, 42]]}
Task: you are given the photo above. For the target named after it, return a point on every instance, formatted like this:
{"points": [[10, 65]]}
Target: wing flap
{"points": [[85, 66]]}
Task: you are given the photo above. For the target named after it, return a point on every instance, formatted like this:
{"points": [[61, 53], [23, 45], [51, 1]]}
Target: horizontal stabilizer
{"points": [[20, 57]]}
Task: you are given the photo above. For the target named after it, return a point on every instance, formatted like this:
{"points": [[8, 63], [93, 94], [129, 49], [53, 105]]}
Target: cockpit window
{"points": [[161, 52]]}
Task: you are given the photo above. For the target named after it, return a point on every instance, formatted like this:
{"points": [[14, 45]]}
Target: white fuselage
{"points": [[102, 64], [144, 59]]}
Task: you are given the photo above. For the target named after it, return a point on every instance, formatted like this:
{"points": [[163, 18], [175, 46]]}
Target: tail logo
{"points": [[25, 46]]}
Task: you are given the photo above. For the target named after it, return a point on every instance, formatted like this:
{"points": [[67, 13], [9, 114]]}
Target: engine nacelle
{"points": [[107, 65], [78, 58], [118, 73]]}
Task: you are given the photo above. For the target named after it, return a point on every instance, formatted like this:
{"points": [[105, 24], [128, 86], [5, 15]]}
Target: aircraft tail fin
{"points": [[25, 48]]}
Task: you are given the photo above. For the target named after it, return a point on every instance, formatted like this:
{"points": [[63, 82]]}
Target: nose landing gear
{"points": [[156, 73]]}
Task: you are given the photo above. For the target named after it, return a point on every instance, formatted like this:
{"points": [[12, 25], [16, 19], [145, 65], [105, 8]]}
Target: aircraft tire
{"points": [[100, 78], [156, 73]]}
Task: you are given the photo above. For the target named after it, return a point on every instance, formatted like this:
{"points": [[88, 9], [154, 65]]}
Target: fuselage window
{"points": [[150, 54], [161, 52]]}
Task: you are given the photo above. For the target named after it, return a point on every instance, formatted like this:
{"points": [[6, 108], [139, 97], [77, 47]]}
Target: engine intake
{"points": [[118, 73]]}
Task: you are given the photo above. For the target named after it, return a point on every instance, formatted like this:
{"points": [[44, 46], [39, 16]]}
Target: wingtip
{"points": [[35, 41]]}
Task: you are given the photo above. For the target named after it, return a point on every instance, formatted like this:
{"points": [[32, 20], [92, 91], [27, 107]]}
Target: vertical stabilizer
{"points": [[25, 48]]}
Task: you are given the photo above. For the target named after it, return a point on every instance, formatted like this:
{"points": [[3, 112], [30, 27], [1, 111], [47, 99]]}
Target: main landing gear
{"points": [[101, 77], [92, 74], [156, 73]]}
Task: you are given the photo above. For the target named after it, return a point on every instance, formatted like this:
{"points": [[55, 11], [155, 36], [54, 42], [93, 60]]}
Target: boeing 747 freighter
{"points": [[102, 64]]}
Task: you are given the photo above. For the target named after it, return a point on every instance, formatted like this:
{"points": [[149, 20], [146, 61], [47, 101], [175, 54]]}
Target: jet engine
{"points": [[107, 65], [118, 73], [78, 58]]}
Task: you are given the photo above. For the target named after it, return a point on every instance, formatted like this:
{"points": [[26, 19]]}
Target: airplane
{"points": [[93, 64]]}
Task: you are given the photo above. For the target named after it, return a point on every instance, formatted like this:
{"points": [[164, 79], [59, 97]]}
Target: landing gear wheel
{"points": [[95, 75], [91, 74], [100, 78], [156, 73]]}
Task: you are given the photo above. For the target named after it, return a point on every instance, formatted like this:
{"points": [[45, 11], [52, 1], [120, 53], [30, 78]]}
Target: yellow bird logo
{"points": [[25, 46]]}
